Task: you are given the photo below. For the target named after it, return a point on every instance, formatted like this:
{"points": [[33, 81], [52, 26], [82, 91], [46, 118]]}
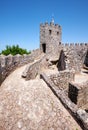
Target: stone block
{"points": [[78, 93]]}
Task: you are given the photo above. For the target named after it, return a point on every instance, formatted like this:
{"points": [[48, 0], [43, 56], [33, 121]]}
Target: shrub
{"points": [[13, 50]]}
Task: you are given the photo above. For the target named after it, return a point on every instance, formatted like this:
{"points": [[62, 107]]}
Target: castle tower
{"points": [[50, 36]]}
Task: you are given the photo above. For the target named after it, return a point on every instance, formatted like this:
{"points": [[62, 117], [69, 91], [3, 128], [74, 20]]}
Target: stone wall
{"points": [[35, 68], [62, 79], [80, 115], [78, 93], [9, 63], [75, 55]]}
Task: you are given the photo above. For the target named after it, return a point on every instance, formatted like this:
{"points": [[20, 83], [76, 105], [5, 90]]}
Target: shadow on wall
{"points": [[61, 65], [86, 61]]}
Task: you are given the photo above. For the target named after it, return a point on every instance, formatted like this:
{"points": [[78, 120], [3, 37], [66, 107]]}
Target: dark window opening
{"points": [[57, 33], [50, 31], [44, 47]]}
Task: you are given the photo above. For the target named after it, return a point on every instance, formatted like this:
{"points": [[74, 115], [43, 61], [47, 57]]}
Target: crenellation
{"points": [[66, 45], [71, 44], [56, 25], [77, 44], [41, 25], [51, 24], [86, 44], [81, 44], [46, 23]]}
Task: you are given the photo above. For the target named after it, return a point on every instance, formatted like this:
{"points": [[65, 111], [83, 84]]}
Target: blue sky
{"points": [[20, 20]]}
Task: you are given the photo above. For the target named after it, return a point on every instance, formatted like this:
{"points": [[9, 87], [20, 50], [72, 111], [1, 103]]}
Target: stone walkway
{"points": [[31, 105]]}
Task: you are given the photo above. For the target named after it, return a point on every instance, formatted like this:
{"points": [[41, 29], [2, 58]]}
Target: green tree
{"points": [[13, 50]]}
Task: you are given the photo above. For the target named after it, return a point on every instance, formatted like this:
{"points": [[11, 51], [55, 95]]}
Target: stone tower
{"points": [[50, 36]]}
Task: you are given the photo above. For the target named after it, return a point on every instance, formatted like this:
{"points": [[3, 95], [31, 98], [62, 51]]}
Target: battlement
{"points": [[50, 25], [50, 36], [75, 45]]}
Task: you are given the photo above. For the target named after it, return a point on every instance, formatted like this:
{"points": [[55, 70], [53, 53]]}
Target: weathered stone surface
{"points": [[78, 114], [31, 105], [78, 90], [9, 63], [57, 78], [50, 37], [83, 116]]}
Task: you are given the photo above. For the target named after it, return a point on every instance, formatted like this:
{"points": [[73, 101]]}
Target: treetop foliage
{"points": [[14, 50]]}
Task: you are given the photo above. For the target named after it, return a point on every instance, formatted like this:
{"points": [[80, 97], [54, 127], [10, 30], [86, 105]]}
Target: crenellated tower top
{"points": [[50, 36]]}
